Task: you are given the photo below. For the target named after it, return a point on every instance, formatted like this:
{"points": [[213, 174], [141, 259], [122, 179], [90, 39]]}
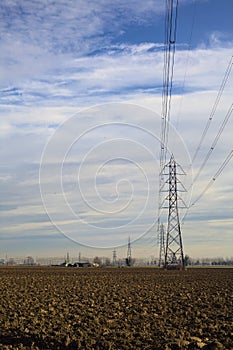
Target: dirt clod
{"points": [[46, 308]]}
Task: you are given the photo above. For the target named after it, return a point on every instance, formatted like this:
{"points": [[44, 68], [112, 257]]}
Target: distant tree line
{"points": [[106, 261], [208, 261]]}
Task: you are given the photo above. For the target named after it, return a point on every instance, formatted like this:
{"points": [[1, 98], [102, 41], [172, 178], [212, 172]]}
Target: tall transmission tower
{"points": [[161, 245], [174, 256], [114, 257], [129, 254]]}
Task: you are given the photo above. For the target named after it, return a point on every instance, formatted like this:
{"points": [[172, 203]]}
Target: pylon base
{"points": [[174, 267]]}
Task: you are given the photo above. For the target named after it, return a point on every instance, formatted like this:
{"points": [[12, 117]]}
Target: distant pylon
{"points": [[173, 247], [161, 245], [114, 257], [129, 254]]}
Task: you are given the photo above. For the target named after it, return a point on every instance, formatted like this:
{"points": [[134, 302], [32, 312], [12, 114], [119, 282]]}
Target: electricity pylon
{"points": [[174, 255], [161, 245], [114, 257], [129, 254]]}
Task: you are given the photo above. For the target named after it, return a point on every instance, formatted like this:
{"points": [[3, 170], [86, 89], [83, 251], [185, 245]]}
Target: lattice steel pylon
{"points": [[161, 245], [174, 255], [129, 254], [114, 257]]}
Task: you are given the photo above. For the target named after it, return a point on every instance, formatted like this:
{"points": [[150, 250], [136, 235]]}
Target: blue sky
{"points": [[81, 87]]}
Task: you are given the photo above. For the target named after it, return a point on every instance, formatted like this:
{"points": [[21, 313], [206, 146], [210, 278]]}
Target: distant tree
{"points": [[107, 262], [129, 261], [187, 260]]}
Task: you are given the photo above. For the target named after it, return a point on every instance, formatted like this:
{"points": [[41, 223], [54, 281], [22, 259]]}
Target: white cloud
{"points": [[57, 59]]}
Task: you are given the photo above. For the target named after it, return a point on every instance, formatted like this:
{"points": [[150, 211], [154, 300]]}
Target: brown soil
{"points": [[115, 308]]}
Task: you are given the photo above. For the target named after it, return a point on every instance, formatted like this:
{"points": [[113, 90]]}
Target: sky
{"points": [[81, 96]]}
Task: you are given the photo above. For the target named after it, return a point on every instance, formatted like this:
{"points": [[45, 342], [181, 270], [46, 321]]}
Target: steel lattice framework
{"points": [[161, 244], [114, 257], [129, 254], [173, 247]]}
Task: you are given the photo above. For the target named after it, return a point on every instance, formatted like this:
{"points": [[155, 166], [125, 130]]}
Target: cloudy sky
{"points": [[81, 86]]}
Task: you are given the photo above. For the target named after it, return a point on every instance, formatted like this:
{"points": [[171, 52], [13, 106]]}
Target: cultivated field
{"points": [[115, 308]]}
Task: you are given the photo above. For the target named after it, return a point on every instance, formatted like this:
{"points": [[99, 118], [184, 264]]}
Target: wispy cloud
{"points": [[57, 58]]}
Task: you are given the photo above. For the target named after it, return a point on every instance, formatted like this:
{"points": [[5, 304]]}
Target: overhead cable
{"points": [[224, 123], [211, 182], [187, 61], [168, 70], [171, 15], [221, 89], [219, 171]]}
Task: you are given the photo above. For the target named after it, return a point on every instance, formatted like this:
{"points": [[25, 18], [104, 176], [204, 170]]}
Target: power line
{"points": [[168, 70], [223, 125], [219, 171], [187, 61], [221, 89], [227, 117], [171, 15]]}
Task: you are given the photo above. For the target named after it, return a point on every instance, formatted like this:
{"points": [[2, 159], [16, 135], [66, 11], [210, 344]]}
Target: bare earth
{"points": [[116, 308]]}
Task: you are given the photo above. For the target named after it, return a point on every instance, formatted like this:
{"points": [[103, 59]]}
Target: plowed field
{"points": [[115, 308]]}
